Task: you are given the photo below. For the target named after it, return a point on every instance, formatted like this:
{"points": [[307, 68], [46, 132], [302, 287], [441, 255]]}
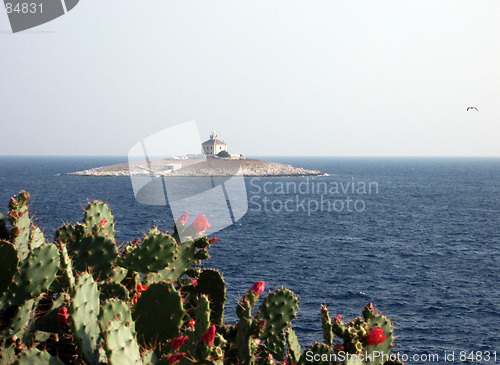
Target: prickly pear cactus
{"points": [[326, 325], [154, 253], [279, 309], [101, 309], [34, 356], [35, 275], [20, 222], [118, 332], [83, 314], [384, 347], [96, 253], [8, 264], [98, 220], [158, 313], [294, 348], [211, 283]]}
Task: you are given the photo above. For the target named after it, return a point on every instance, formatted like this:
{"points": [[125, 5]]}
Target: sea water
{"points": [[421, 240]]}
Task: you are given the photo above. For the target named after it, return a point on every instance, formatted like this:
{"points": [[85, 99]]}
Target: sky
{"points": [[273, 78]]}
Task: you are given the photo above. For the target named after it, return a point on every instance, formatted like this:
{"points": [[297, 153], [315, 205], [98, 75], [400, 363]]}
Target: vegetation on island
{"points": [[84, 299], [223, 154]]}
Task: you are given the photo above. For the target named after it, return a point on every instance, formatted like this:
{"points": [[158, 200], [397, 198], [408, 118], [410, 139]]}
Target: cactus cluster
{"points": [[84, 299]]}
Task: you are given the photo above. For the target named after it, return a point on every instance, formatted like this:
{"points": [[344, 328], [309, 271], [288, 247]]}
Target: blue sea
{"points": [[418, 237]]}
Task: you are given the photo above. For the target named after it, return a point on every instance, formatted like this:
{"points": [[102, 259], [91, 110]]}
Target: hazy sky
{"points": [[319, 78]]}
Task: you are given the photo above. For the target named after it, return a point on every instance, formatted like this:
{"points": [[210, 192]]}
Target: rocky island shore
{"points": [[212, 166]]}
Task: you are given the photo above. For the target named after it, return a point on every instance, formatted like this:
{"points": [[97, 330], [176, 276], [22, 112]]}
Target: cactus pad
{"points": [[211, 283], [8, 264], [20, 319], [114, 309], [84, 311], [294, 348], [384, 347], [69, 234], [202, 316], [20, 222], [113, 290], [120, 344], [276, 345], [96, 253], [118, 331], [158, 313], [154, 253], [36, 357], [35, 275], [278, 309], [99, 220], [326, 325]]}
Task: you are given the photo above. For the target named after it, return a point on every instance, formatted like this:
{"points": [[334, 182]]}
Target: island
{"points": [[214, 160], [211, 166]]}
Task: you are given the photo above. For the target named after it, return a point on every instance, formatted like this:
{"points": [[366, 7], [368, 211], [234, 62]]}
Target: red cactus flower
{"points": [[184, 218], [258, 287], [191, 323], [174, 358], [62, 315], [177, 342], [103, 222], [375, 336], [140, 289], [200, 224], [337, 318], [213, 240], [136, 241], [194, 281], [208, 337]]}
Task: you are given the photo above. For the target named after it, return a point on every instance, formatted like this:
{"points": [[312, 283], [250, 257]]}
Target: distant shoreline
{"points": [[192, 167]]}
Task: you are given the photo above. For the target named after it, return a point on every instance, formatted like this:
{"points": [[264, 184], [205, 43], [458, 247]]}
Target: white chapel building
{"points": [[213, 146]]}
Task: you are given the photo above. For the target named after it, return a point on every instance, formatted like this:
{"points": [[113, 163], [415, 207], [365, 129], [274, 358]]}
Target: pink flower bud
{"points": [[177, 342], [258, 287], [208, 337], [191, 323], [200, 224], [375, 336], [213, 240], [103, 222], [174, 358], [62, 315], [337, 318], [184, 218], [194, 281]]}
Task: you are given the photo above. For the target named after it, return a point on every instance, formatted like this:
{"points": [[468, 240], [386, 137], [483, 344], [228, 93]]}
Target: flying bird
{"points": [[472, 107]]}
